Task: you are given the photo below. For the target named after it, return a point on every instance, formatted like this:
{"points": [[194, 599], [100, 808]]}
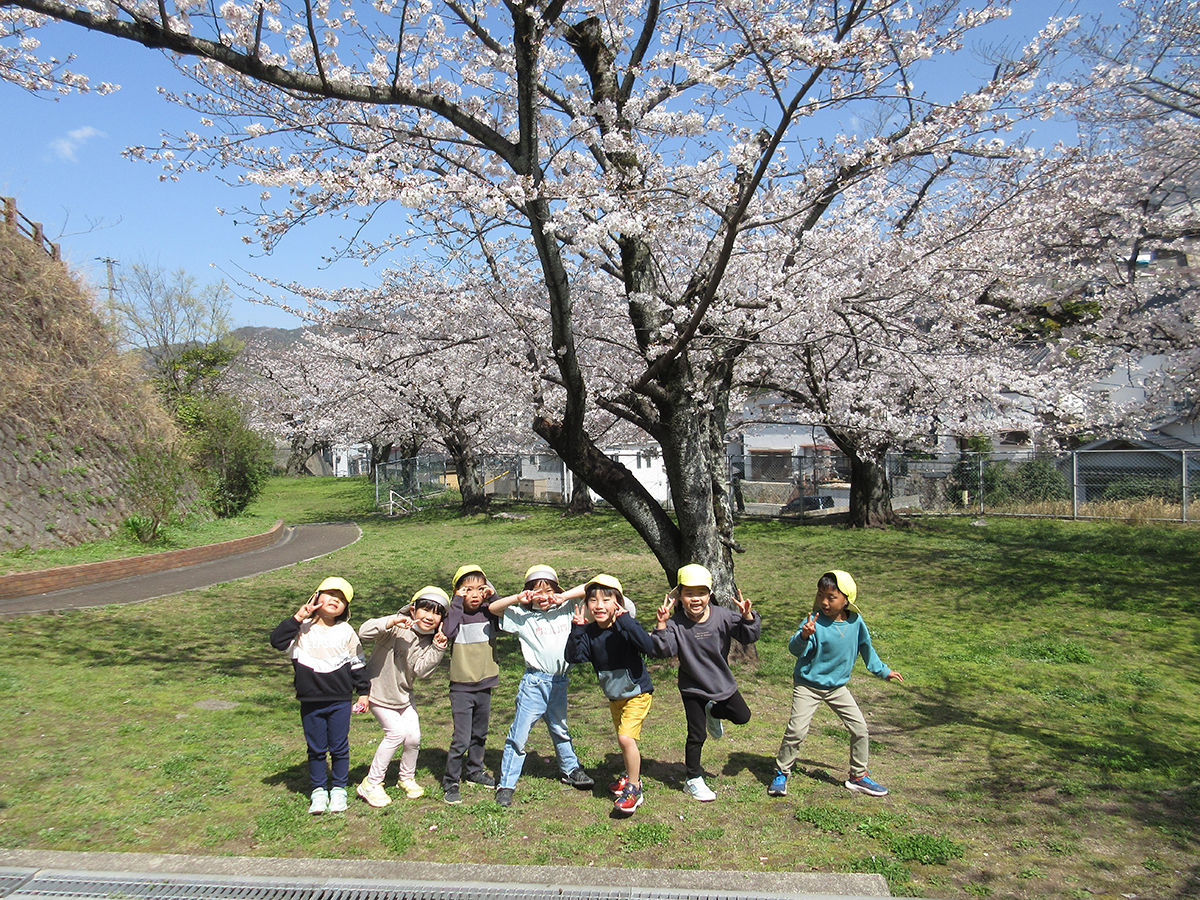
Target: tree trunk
{"points": [[299, 454], [470, 477], [381, 451], [870, 491], [581, 499]]}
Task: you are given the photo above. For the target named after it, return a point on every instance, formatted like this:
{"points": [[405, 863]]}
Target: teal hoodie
{"points": [[826, 659]]}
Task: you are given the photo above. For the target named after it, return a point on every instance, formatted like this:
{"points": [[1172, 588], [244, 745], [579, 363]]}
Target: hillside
{"points": [[71, 408]]}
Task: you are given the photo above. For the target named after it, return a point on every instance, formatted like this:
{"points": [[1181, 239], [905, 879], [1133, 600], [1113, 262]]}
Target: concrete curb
{"points": [[42, 581], [746, 884]]}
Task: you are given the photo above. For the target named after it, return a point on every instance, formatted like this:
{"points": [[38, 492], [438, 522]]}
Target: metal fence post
{"points": [[981, 498], [1074, 484], [1183, 497]]}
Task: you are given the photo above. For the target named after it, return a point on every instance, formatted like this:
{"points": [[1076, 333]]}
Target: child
{"points": [[825, 647], [699, 634], [408, 646], [543, 628], [614, 643], [471, 628], [329, 668]]}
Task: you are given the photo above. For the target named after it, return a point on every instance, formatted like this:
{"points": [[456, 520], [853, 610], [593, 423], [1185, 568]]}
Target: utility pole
{"points": [[109, 262]]}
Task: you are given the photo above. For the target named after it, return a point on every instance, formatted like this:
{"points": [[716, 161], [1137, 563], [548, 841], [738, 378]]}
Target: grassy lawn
{"points": [[1043, 744]]}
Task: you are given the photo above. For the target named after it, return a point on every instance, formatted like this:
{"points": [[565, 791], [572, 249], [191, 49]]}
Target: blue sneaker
{"points": [[866, 785], [778, 786]]}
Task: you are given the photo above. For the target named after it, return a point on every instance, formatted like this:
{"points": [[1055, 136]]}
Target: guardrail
{"points": [[13, 218]]}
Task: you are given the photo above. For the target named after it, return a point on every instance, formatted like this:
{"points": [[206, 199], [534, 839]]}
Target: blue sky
{"points": [[62, 161]]}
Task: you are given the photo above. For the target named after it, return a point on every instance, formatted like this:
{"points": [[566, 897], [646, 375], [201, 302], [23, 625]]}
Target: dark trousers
{"points": [[733, 708], [471, 711], [327, 730]]}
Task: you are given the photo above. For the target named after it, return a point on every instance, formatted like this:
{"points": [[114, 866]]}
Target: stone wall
{"points": [[55, 490]]}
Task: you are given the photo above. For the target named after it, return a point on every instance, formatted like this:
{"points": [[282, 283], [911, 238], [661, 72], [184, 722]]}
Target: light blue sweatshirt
{"points": [[826, 659]]}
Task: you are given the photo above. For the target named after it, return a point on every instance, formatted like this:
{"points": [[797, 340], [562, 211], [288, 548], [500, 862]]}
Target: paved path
{"points": [[298, 543]]}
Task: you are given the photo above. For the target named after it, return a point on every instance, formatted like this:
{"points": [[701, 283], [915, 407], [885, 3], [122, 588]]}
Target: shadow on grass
{"points": [[1102, 751]]}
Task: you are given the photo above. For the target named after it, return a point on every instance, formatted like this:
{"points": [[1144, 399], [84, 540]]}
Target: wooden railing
{"points": [[32, 230]]}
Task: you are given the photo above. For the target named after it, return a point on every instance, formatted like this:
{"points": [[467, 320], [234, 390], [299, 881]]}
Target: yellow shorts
{"points": [[628, 715]]}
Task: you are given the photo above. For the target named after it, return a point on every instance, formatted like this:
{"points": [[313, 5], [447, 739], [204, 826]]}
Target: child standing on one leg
{"points": [[699, 634], [825, 647], [614, 643], [471, 628], [408, 646], [329, 669], [541, 618]]}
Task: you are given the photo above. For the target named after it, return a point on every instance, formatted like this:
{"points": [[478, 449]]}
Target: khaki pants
{"points": [[805, 700]]}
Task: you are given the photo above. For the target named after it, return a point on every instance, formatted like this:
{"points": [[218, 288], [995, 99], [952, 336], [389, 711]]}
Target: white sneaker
{"points": [[373, 793], [337, 800], [320, 802], [411, 789], [712, 723], [699, 790]]}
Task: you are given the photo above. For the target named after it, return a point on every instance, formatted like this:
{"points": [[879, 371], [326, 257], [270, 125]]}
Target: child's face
{"points": [[426, 621], [603, 607], [471, 590], [542, 594], [695, 599], [832, 603], [330, 605]]}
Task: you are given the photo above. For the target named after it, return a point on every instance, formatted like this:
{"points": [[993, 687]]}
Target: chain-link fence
{"points": [[1086, 484]]}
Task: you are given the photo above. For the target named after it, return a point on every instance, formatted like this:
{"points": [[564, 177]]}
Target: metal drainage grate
{"points": [[62, 885]]}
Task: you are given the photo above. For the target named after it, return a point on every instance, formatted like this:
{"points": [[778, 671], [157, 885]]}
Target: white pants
{"points": [[400, 727]]}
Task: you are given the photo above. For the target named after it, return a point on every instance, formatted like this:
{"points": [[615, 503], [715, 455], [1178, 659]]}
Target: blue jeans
{"points": [[539, 695], [327, 730]]}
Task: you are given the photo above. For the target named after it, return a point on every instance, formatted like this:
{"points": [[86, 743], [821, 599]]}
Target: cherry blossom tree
{"points": [[415, 357], [1145, 108], [608, 162]]}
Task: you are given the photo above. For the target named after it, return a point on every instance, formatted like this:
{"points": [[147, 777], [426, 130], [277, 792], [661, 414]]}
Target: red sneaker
{"points": [[619, 785], [630, 799]]}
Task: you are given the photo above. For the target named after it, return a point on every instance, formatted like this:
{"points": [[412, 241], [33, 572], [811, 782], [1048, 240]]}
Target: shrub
{"points": [[231, 459]]}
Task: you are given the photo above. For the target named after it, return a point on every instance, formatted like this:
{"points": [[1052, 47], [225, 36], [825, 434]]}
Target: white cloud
{"points": [[64, 147]]}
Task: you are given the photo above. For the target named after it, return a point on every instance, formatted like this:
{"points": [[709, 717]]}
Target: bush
{"points": [[155, 484], [231, 459]]}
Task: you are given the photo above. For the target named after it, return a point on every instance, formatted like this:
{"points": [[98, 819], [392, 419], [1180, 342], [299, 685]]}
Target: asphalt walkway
{"points": [[298, 543]]}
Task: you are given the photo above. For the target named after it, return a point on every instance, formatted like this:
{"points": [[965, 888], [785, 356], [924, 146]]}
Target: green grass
{"points": [[1044, 742]]}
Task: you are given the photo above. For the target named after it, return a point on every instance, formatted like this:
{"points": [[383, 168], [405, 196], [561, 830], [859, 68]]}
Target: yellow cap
{"points": [[694, 576], [341, 585], [464, 571], [436, 594], [541, 573], [607, 581]]}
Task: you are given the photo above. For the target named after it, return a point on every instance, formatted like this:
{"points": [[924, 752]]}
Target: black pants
{"points": [[733, 708], [471, 711]]}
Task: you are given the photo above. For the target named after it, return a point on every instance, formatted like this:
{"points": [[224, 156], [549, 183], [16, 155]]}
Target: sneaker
{"points": [[778, 786], [699, 790], [482, 778], [320, 802], [412, 790], [630, 799], [712, 723], [864, 784], [373, 793], [450, 794], [619, 785], [337, 800], [579, 779], [504, 797]]}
